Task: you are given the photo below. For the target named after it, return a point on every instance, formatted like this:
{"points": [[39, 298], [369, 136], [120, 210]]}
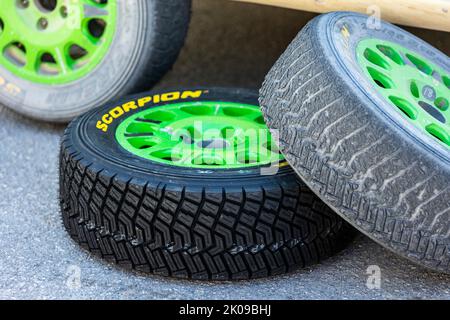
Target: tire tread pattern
{"points": [[225, 235]]}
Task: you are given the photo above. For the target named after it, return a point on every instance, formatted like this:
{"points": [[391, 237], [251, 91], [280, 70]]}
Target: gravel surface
{"points": [[229, 44]]}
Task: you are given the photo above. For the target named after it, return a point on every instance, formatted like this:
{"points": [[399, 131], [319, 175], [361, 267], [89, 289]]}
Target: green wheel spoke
{"points": [[83, 40], [194, 134], [412, 84], [5, 39], [32, 59]]}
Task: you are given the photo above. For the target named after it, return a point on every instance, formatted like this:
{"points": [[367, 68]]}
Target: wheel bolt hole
{"points": [[42, 24], [63, 11], [23, 3], [441, 103]]}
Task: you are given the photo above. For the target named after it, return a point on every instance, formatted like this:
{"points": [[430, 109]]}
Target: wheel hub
{"points": [[40, 25]]}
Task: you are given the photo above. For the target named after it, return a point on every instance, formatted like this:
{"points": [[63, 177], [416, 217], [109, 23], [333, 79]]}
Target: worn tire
{"points": [[189, 223], [148, 39], [352, 147]]}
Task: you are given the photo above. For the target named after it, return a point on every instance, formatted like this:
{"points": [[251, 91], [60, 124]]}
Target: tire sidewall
{"points": [[343, 58], [104, 150]]}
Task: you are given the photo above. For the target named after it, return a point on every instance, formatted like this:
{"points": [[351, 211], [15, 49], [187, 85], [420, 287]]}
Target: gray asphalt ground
{"points": [[229, 44]]}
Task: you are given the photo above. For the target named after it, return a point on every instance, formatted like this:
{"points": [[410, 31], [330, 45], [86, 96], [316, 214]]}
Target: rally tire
{"points": [[185, 223], [148, 38], [349, 145]]}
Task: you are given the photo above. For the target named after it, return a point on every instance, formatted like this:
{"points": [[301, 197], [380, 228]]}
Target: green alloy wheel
{"points": [[42, 43], [363, 117], [186, 183], [212, 134], [414, 85], [59, 58]]}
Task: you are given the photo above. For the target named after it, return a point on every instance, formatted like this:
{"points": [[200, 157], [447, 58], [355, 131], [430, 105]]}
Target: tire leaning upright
{"points": [[364, 119]]}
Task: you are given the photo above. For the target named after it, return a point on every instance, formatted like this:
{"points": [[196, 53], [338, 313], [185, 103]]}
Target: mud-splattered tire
{"points": [[363, 154], [189, 222]]}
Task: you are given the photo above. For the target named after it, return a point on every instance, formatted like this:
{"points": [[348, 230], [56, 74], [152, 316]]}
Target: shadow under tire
{"points": [[198, 223], [363, 116]]}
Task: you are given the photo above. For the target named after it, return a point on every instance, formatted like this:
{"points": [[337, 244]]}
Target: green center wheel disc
{"points": [[200, 135], [55, 41], [416, 87]]}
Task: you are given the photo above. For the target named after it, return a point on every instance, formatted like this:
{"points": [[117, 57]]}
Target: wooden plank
{"points": [[428, 14]]}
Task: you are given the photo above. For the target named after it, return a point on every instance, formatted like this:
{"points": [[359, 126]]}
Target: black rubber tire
{"points": [[189, 223], [352, 148], [148, 39]]}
